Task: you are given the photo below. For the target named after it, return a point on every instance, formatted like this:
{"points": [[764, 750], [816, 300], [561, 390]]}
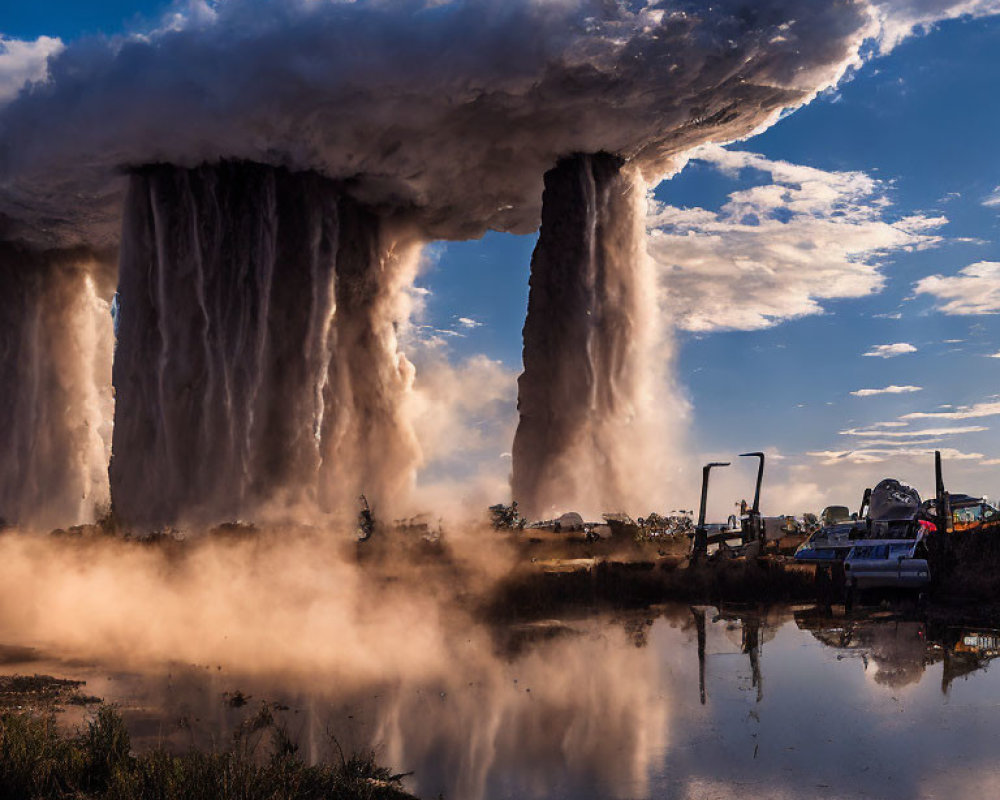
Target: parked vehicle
{"points": [[892, 553], [839, 528], [835, 515], [830, 543], [895, 563], [968, 513], [890, 514]]}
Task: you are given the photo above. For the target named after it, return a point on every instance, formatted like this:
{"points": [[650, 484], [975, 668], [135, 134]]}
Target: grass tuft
{"points": [[38, 761]]}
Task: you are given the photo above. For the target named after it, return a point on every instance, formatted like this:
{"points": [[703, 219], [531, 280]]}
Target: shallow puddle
{"points": [[676, 702]]}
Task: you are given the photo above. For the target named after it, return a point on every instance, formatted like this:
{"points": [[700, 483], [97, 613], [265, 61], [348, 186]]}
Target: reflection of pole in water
{"points": [[699, 623], [751, 646]]}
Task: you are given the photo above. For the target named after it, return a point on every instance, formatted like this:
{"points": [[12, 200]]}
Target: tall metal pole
{"points": [[754, 522], [941, 499], [700, 533], [760, 478]]}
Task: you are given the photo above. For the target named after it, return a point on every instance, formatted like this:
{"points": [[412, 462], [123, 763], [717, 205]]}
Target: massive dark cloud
{"points": [[453, 109]]}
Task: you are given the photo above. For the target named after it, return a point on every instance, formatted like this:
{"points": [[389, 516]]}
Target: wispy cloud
{"points": [[900, 443], [976, 411], [993, 198], [974, 290], [880, 455], [775, 251], [429, 336], [892, 389], [890, 350], [861, 432]]}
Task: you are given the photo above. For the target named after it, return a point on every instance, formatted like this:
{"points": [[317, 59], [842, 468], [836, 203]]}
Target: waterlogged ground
{"points": [[672, 702]]}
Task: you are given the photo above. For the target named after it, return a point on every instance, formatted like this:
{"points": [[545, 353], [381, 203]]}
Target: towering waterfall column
{"points": [[55, 403], [369, 445], [226, 295], [244, 290], [585, 394]]}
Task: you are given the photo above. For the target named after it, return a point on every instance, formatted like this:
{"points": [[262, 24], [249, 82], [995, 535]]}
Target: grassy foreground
{"points": [[38, 761]]}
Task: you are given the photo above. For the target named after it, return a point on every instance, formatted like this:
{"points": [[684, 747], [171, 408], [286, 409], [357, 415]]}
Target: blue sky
{"points": [[923, 121], [921, 124], [69, 19]]}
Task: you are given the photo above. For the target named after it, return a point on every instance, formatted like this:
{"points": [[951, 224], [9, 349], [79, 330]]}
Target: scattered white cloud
{"points": [[427, 336], [459, 407], [890, 350], [993, 198], [23, 63], [464, 415], [900, 20], [891, 389], [773, 252], [895, 315], [974, 290], [884, 442], [975, 411]]}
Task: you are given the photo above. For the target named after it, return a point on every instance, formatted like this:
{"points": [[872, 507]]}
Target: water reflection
{"points": [[752, 628], [669, 702], [897, 651], [966, 650], [699, 624], [577, 709], [900, 650]]}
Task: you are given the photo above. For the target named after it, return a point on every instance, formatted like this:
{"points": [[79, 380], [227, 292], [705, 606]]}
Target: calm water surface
{"points": [[674, 702]]}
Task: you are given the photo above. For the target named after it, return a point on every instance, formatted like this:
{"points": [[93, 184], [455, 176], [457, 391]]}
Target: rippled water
{"points": [[673, 702]]}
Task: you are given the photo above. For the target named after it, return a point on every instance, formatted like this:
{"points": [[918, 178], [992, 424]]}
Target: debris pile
{"points": [[506, 518], [655, 526]]}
